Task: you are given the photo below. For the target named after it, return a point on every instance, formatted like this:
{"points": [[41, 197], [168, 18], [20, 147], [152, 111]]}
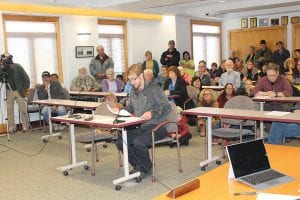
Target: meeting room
{"points": [[138, 99]]}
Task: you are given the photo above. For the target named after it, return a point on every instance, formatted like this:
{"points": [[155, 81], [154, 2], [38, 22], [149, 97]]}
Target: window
{"points": [[206, 41], [112, 35], [34, 43]]}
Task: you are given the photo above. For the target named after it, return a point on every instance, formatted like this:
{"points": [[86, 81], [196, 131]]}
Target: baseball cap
{"points": [[263, 42], [45, 73], [279, 42]]}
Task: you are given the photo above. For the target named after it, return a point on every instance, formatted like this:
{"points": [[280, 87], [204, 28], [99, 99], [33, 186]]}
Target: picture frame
{"points": [[295, 20], [284, 20], [253, 22], [244, 23], [84, 51], [275, 22], [263, 22]]}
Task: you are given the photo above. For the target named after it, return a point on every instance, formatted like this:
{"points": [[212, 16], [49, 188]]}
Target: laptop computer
{"points": [[250, 164]]}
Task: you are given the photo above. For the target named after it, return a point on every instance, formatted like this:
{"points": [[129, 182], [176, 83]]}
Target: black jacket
{"points": [[18, 79], [173, 58], [179, 89]]}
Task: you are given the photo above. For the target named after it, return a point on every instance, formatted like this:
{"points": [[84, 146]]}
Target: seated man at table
{"points": [[148, 102], [281, 130], [273, 85], [51, 90], [84, 82]]}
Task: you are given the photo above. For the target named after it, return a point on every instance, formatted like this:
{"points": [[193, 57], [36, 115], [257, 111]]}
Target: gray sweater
{"points": [[151, 98]]}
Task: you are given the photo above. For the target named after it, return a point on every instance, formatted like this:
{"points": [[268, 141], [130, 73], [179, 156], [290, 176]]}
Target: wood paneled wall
{"points": [[296, 36], [241, 39]]}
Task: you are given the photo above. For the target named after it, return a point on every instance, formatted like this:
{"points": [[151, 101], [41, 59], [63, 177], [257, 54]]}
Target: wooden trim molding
{"points": [[7, 17], [124, 24], [3, 128], [294, 45]]}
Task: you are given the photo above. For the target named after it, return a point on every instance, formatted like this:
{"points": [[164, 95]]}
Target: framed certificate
{"points": [[244, 23], [253, 22]]}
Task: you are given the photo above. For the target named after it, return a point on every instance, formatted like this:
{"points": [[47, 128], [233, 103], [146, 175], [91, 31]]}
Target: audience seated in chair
{"points": [[111, 84], [280, 130], [203, 73], [207, 98], [230, 76], [185, 76], [227, 94], [250, 72], [51, 90], [84, 82], [175, 85]]}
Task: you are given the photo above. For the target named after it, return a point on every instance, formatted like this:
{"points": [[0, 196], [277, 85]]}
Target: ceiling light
{"points": [[221, 1]]}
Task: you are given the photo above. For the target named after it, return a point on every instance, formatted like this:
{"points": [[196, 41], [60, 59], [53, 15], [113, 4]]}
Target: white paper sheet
{"points": [[277, 113], [268, 196], [122, 112]]}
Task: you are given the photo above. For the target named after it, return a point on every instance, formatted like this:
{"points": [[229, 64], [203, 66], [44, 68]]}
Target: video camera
{"points": [[5, 62]]}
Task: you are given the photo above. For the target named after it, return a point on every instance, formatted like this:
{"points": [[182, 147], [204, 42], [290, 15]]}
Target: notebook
{"points": [[250, 165]]}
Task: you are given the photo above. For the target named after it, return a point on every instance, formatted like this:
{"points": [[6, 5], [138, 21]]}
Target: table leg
{"points": [[210, 159], [74, 162], [51, 134], [261, 129], [126, 176]]}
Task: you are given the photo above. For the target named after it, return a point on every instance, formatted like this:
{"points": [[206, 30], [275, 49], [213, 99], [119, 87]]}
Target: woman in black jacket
{"points": [[175, 87]]}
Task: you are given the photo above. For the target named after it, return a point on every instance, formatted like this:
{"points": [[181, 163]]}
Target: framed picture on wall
{"points": [[244, 23], [84, 51], [263, 22], [253, 22], [284, 20], [295, 20], [275, 22]]}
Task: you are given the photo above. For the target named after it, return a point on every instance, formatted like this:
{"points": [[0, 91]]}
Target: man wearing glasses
{"points": [[147, 101]]}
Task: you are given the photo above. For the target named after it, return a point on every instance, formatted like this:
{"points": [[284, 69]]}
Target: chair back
{"points": [[67, 93], [192, 93], [173, 116], [241, 103], [30, 95]]}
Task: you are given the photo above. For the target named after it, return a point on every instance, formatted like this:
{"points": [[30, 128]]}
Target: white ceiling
{"points": [[214, 9]]}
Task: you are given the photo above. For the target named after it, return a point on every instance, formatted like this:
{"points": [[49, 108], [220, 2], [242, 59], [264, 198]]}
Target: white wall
{"points": [[183, 34], [235, 23], [146, 35]]}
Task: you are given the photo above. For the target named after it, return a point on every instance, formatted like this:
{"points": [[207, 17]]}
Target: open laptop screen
{"points": [[247, 158]]}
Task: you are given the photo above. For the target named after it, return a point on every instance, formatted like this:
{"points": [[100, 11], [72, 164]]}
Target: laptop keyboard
{"points": [[262, 177]]}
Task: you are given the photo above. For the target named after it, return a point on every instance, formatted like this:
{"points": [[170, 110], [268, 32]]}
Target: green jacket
{"points": [[267, 55], [18, 79]]}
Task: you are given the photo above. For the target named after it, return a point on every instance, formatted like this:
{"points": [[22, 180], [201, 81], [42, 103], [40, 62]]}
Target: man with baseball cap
{"points": [[51, 90]]}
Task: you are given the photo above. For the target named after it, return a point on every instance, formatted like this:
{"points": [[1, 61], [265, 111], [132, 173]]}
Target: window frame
{"points": [[210, 23], [124, 24], [56, 20]]}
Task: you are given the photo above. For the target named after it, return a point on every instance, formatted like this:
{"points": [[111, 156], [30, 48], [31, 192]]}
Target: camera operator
{"points": [[17, 82]]}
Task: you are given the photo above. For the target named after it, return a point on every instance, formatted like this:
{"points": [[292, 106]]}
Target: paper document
{"points": [[266, 196], [277, 113], [122, 112]]}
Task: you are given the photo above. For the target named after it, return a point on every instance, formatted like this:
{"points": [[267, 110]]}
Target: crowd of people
{"points": [[260, 73]]}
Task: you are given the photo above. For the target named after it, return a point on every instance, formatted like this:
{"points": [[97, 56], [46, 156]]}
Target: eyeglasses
{"points": [[133, 79], [207, 94]]}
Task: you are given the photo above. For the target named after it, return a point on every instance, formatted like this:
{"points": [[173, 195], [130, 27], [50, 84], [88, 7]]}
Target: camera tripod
{"points": [[6, 85]]}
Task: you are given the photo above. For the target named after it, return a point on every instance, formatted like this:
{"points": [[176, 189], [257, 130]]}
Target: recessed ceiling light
{"points": [[222, 1]]}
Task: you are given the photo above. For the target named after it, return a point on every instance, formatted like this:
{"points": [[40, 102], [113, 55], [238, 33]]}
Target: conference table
{"points": [[263, 99], [209, 113], [67, 103], [102, 121], [215, 185], [213, 87]]}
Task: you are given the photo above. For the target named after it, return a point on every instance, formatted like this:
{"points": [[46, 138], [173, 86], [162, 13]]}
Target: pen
{"points": [[245, 193]]}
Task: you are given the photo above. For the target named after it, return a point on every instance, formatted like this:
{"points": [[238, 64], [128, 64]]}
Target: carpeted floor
{"points": [[36, 177]]}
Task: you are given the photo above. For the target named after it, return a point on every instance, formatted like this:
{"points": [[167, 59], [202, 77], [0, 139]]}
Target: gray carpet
{"points": [[36, 177]]}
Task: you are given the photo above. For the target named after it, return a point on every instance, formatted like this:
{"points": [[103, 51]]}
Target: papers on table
{"points": [[267, 196], [122, 112], [277, 113]]}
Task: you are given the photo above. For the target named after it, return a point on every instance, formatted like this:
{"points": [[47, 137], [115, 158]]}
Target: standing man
{"points": [[263, 55], [280, 55], [171, 57], [150, 103], [100, 64], [51, 90], [17, 82]]}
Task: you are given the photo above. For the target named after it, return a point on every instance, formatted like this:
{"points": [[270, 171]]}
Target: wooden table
{"points": [[103, 122], [209, 112], [96, 94], [263, 99], [214, 185], [67, 103], [213, 87]]}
